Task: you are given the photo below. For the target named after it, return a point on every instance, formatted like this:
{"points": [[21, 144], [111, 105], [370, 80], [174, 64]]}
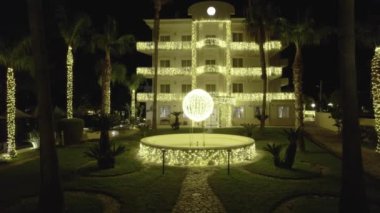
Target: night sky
{"points": [[320, 62]]}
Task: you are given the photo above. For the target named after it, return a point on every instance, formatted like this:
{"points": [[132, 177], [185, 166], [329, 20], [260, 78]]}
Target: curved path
{"points": [[196, 195]]}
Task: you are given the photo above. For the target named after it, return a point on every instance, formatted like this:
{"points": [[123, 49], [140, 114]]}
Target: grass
{"points": [[254, 187]]}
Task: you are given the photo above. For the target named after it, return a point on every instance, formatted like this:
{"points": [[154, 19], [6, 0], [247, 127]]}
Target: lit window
{"points": [[165, 88], [237, 88], [165, 38], [164, 111], [237, 37], [186, 38], [164, 63], [238, 112], [210, 87], [237, 62], [186, 63], [210, 62], [283, 112], [186, 88]]}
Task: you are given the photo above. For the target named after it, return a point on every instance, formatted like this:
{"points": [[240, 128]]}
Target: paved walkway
{"points": [[332, 142], [196, 195]]}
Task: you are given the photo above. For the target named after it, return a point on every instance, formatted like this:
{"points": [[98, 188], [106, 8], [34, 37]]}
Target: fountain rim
{"points": [[242, 145]]}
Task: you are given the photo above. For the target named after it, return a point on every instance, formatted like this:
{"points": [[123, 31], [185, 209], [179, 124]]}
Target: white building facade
{"points": [[215, 52]]}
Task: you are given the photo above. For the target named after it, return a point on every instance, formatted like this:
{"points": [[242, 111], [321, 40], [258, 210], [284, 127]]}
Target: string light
{"points": [[226, 113], [11, 115], [375, 87], [197, 105], [164, 71], [133, 104], [69, 84], [194, 35], [211, 42]]}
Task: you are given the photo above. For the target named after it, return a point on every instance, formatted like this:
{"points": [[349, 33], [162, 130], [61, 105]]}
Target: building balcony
{"points": [[211, 69], [164, 71], [255, 72], [219, 97], [272, 72], [211, 42], [148, 47]]}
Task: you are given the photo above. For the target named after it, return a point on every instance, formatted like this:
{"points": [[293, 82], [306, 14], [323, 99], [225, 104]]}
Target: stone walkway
{"points": [[196, 195]]}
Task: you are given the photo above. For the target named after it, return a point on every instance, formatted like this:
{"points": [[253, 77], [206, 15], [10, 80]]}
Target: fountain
{"points": [[197, 149]]}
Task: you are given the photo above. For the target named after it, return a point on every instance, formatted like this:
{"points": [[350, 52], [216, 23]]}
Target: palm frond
{"points": [[99, 41], [123, 44], [119, 72], [134, 81]]}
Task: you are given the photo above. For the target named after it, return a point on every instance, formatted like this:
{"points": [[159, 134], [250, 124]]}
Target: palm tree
{"points": [[72, 33], [133, 84], [14, 57], [300, 34], [51, 195], [353, 195], [156, 32], [260, 17], [111, 44]]}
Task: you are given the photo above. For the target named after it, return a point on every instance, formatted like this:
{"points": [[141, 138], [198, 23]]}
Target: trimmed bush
{"points": [[71, 129]]}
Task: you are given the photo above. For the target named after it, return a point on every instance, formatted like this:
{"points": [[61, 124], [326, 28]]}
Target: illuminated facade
{"points": [[214, 52]]}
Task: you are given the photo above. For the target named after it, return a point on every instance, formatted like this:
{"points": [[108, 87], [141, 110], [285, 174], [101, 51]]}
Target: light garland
{"points": [[133, 104], [194, 34], [255, 71], [219, 97], [164, 45], [211, 69], [375, 88], [164, 71], [227, 112], [11, 115], [253, 46], [69, 83], [211, 42]]}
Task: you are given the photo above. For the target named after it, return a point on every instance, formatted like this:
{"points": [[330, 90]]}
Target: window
{"points": [[165, 38], [186, 88], [186, 38], [237, 62], [186, 63], [237, 37], [165, 88], [210, 87], [165, 63], [238, 112], [210, 36], [164, 111], [283, 112], [210, 62], [237, 87]]}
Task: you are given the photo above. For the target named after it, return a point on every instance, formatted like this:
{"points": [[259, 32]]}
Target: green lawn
{"points": [[312, 186]]}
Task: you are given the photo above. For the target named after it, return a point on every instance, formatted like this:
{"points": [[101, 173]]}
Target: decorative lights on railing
{"points": [[211, 42], [268, 46], [211, 69], [164, 45], [259, 96], [256, 71], [164, 71]]}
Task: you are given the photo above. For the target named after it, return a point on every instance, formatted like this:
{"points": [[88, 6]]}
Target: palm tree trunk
{"points": [[297, 81], [11, 114], [353, 196], [264, 77], [51, 195], [106, 84], [375, 80], [156, 32], [133, 103], [69, 83]]}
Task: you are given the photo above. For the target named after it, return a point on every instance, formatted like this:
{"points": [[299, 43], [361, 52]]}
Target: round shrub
{"points": [[71, 130]]}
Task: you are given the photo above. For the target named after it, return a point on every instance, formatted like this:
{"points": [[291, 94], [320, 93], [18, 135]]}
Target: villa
{"points": [[214, 52]]}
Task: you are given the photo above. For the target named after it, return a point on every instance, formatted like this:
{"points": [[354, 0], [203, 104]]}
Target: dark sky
{"points": [[319, 61]]}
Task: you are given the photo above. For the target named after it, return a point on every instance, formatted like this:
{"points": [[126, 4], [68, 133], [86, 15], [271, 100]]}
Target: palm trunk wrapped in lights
{"points": [[106, 85], [11, 114], [69, 83], [375, 85], [133, 103], [297, 81]]}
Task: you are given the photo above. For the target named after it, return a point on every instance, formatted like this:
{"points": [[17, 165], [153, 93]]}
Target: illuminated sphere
{"points": [[197, 105], [211, 11]]}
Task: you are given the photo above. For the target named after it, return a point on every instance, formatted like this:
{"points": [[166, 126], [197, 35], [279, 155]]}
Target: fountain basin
{"points": [[196, 149]]}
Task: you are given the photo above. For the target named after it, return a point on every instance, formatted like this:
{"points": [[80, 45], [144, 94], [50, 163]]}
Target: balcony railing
{"points": [[211, 69], [164, 71], [209, 42], [253, 46], [256, 71], [164, 45], [219, 97]]}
